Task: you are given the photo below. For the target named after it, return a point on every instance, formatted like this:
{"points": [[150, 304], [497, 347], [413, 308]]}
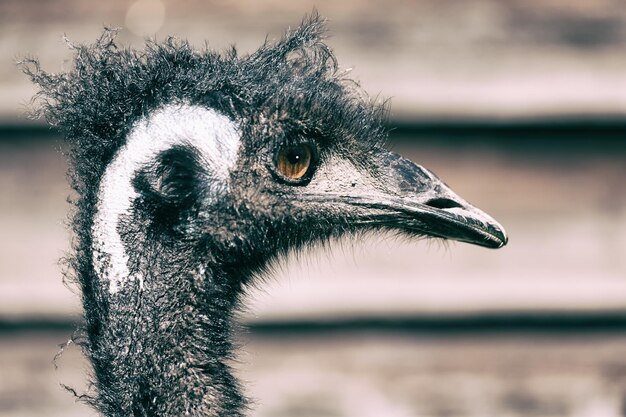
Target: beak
{"points": [[408, 197], [425, 204]]}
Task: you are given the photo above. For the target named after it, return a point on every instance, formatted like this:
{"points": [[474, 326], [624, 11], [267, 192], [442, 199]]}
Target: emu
{"points": [[192, 172]]}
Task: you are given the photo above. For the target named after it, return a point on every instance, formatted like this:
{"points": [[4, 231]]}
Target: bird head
{"points": [[300, 158], [240, 158]]}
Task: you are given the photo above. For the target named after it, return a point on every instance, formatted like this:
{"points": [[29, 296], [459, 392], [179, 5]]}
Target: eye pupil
{"points": [[294, 156], [294, 161]]}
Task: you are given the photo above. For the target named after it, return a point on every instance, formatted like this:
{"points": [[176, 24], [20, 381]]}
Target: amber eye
{"points": [[294, 161]]}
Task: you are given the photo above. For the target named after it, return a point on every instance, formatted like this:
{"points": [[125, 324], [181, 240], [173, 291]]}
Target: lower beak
{"points": [[439, 218]]}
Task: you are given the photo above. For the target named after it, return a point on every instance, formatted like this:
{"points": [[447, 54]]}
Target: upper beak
{"points": [[408, 197]]}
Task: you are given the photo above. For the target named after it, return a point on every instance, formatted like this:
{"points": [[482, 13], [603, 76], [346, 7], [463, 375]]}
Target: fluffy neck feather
{"points": [[163, 343]]}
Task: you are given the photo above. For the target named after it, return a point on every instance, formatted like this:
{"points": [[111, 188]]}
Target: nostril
{"points": [[442, 203]]}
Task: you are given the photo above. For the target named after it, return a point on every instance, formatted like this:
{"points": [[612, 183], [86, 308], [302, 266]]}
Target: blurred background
{"points": [[520, 106]]}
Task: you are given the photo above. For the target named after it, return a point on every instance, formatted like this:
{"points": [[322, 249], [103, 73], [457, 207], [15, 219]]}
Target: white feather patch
{"points": [[215, 136]]}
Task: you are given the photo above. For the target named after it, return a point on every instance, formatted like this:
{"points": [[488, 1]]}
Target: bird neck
{"points": [[161, 345], [158, 304]]}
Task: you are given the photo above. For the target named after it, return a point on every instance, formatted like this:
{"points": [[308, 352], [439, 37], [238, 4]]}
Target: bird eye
{"points": [[295, 162]]}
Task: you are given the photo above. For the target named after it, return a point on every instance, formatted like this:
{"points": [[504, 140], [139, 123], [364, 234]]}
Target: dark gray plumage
{"points": [[193, 171]]}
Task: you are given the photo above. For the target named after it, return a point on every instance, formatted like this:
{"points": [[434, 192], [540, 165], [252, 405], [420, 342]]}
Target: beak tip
{"points": [[501, 239]]}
